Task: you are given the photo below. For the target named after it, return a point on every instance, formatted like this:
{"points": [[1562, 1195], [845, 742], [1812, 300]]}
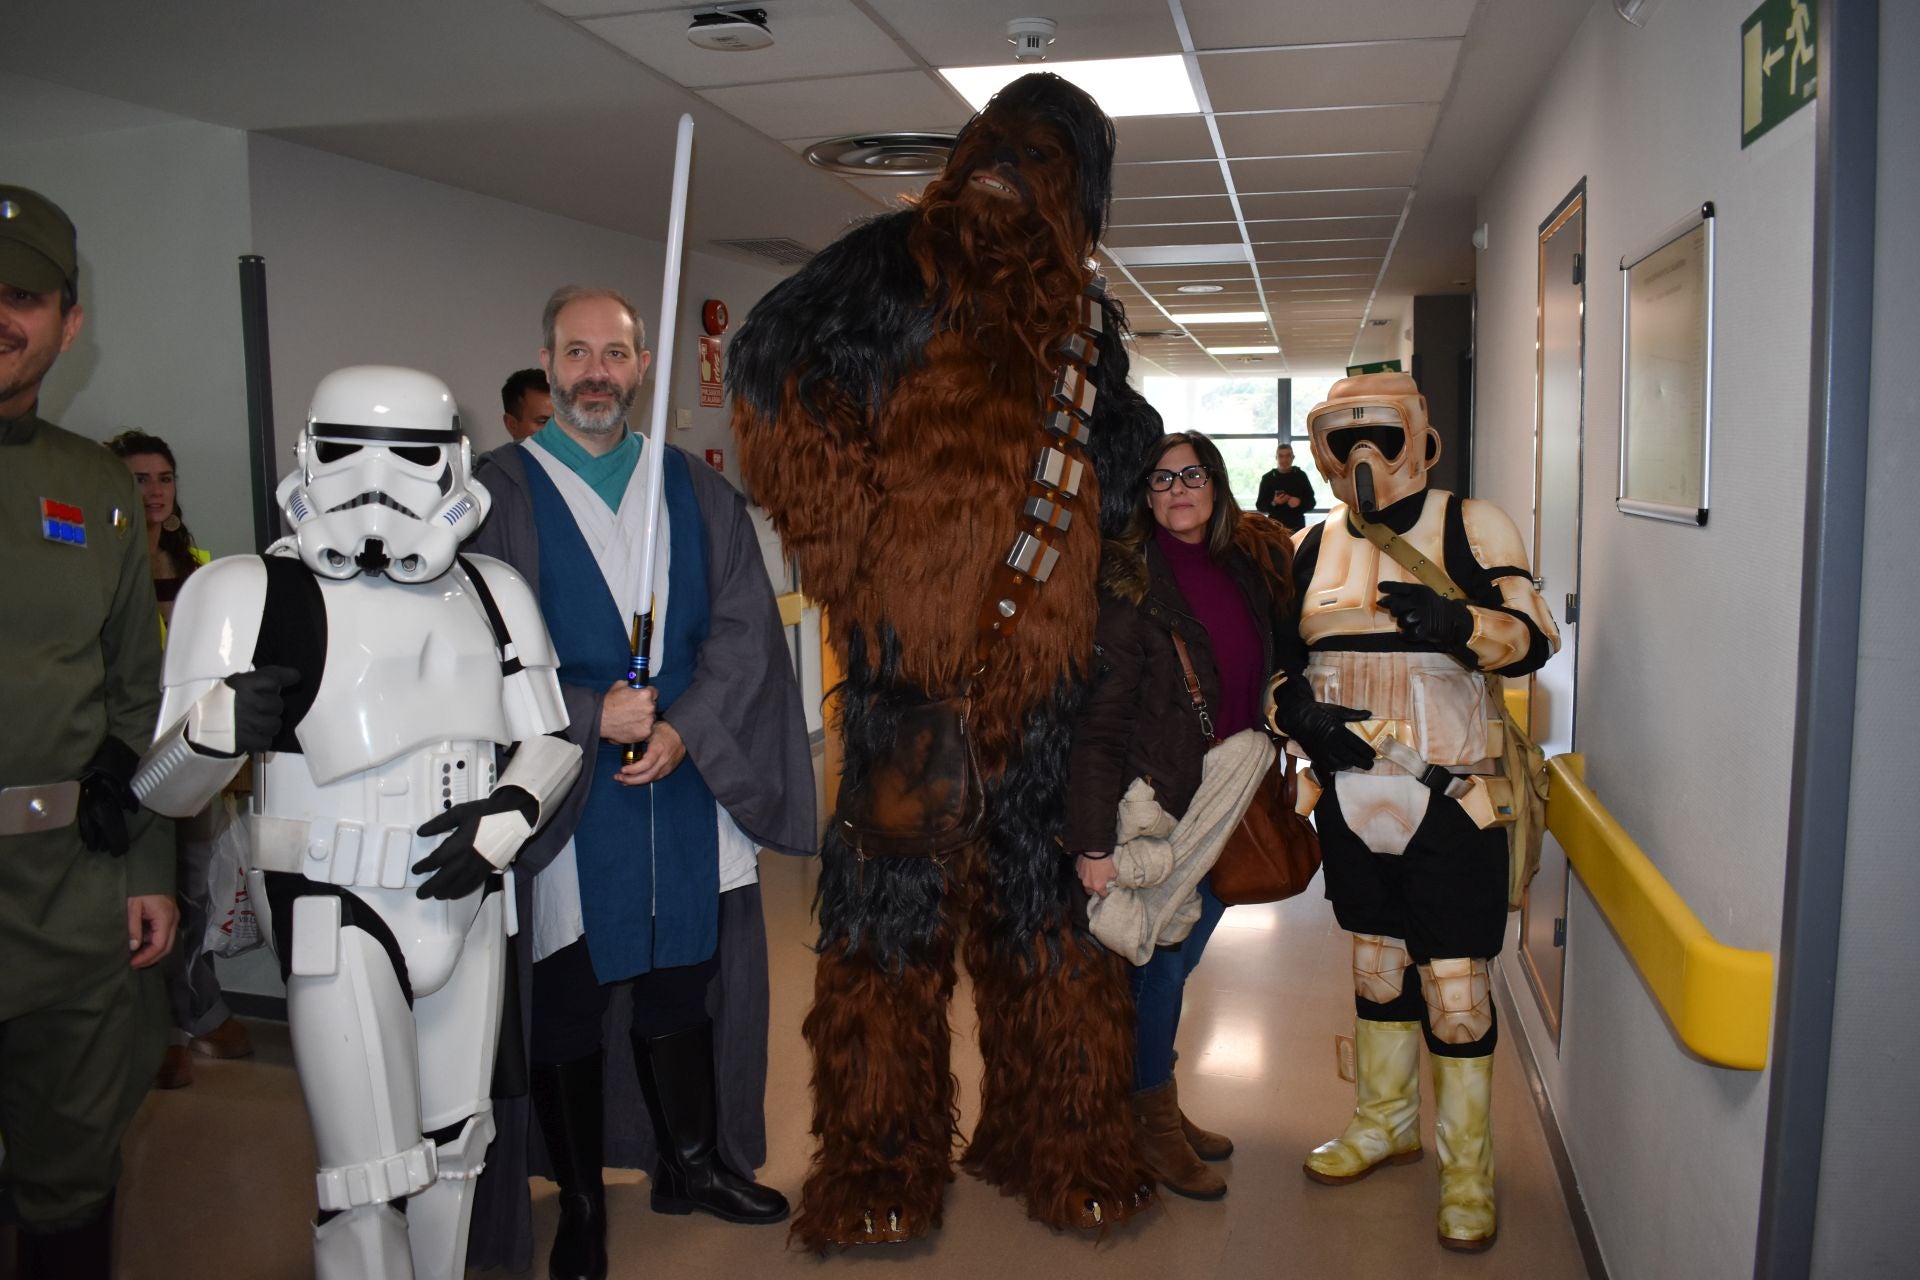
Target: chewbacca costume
{"points": [[888, 401]]}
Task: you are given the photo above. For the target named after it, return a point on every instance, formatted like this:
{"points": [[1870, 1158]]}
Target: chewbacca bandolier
{"points": [[935, 414]]}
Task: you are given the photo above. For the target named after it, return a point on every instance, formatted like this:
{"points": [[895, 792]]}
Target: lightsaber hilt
{"points": [[638, 676]]}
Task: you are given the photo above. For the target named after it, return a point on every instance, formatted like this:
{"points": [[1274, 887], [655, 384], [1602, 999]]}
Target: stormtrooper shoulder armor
{"points": [[530, 665]]}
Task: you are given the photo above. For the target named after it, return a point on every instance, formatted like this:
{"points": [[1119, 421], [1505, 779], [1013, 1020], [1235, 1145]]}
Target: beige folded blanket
{"points": [[1158, 863]]}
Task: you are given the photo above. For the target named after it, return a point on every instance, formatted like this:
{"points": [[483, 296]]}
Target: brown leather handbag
{"points": [[1274, 852]]}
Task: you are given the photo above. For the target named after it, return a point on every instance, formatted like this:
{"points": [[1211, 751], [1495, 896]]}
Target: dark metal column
{"points": [[260, 461], [1846, 135]]}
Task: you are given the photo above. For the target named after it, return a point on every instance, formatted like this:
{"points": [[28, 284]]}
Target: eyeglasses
{"points": [[1194, 477]]}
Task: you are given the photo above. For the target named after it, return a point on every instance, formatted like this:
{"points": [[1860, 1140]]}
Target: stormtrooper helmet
{"points": [[383, 484], [1372, 440]]}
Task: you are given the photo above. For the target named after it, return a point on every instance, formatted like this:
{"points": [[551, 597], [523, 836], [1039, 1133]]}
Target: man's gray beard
{"points": [[587, 422]]}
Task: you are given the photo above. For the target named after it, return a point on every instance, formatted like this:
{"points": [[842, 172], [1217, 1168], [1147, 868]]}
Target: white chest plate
{"points": [[407, 665], [1343, 599]]}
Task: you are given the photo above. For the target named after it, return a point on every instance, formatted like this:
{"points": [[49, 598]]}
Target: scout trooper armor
{"points": [[1397, 711], [376, 676]]}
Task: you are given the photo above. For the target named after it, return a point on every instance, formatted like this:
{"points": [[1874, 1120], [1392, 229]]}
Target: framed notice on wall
{"points": [[1666, 373]]}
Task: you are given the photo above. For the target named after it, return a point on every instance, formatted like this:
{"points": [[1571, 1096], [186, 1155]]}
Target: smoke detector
{"points": [[730, 31], [1030, 38]]}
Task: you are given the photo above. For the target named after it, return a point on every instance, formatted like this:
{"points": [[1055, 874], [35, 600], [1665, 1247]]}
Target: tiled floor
{"points": [[219, 1175]]}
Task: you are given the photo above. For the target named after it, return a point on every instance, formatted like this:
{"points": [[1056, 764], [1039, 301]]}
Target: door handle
{"points": [[1573, 608]]}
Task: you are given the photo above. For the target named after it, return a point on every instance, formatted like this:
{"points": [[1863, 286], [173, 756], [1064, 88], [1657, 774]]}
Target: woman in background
{"points": [[1191, 565], [202, 1023]]}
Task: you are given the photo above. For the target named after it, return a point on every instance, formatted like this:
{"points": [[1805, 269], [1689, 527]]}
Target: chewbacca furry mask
{"points": [[887, 400]]}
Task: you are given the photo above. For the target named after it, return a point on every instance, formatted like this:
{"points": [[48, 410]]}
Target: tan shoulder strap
{"points": [[1192, 678], [1404, 555]]}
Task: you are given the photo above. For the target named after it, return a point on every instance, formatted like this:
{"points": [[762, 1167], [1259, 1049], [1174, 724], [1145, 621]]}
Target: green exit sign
{"points": [[1378, 366], [1777, 65]]}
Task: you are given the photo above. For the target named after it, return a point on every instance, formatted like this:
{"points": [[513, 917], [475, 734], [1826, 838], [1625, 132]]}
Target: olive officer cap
{"points": [[37, 249]]}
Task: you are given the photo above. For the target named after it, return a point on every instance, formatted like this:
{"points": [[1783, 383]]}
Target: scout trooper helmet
{"points": [[1372, 440], [382, 484]]}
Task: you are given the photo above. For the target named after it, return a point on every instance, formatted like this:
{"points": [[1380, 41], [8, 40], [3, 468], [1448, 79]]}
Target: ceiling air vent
{"points": [[883, 155], [788, 253]]}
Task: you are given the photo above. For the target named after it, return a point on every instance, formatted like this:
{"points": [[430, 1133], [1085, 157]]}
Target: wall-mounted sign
{"points": [[1666, 373], [711, 396], [717, 459], [1378, 366], [1778, 42]]}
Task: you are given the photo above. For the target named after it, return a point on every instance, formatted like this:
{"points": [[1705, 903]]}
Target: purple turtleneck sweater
{"points": [[1214, 598]]}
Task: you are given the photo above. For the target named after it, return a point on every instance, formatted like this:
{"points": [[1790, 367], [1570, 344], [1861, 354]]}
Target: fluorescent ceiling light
{"points": [[1122, 86], [1243, 351], [1179, 255], [1219, 317], [1201, 288]]}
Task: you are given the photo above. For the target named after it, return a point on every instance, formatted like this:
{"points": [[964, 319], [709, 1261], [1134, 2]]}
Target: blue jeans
{"points": [[1157, 988]]}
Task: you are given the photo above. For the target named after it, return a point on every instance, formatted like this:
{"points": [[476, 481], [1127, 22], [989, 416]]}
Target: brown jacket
{"points": [[1138, 720]]}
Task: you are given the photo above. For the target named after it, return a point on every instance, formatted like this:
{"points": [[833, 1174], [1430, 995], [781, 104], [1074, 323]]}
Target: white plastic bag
{"points": [[232, 927]]}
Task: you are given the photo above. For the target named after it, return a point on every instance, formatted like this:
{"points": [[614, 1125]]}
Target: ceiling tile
{"points": [[1308, 204], [1298, 249], [1327, 173], [975, 34], [1200, 178], [889, 191], [812, 38], [1222, 272], [1379, 227], [1345, 76], [1179, 233], [1235, 24], [827, 108], [1163, 138], [589, 8], [1297, 133], [1136, 212]]}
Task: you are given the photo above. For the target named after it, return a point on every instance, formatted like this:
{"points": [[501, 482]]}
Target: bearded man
{"points": [[645, 896], [935, 414]]}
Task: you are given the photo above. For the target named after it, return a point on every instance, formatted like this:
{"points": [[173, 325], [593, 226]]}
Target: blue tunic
{"points": [[648, 857]]}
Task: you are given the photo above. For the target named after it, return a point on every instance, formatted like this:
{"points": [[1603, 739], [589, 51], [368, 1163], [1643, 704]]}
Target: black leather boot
{"points": [[84, 1252], [676, 1075], [567, 1099]]}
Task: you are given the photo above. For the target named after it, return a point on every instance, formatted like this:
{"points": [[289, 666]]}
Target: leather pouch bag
{"points": [[1274, 851], [922, 797]]}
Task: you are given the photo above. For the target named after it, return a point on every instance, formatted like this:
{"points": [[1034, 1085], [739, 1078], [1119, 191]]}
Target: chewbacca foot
{"points": [[1097, 1214]]}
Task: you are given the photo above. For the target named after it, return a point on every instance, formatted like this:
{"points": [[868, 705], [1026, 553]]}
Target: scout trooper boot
{"points": [[1463, 1135], [1385, 1128]]}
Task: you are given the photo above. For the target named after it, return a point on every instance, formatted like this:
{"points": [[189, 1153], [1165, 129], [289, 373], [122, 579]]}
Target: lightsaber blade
{"points": [[638, 675]]}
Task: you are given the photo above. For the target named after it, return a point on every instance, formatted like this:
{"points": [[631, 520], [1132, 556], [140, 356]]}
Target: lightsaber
{"points": [[638, 675]]}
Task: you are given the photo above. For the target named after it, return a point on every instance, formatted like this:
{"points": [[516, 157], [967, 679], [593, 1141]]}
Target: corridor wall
{"points": [[1688, 635]]}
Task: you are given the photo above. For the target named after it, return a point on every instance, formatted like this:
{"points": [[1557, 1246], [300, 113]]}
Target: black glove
{"points": [[106, 798], [1426, 616], [258, 707], [457, 869], [1321, 729]]}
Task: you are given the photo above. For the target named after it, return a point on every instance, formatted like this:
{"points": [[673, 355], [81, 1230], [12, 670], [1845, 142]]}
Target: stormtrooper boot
{"points": [[1385, 1128], [1463, 1135]]}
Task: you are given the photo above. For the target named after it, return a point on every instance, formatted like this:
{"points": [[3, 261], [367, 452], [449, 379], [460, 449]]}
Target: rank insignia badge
{"points": [[62, 522]]}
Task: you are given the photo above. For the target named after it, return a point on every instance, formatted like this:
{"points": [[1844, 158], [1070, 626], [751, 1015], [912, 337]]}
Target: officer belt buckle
{"points": [[46, 806]]}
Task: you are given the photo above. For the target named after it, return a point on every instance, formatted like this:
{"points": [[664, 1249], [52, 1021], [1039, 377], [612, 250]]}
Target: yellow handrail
{"points": [[1719, 998]]}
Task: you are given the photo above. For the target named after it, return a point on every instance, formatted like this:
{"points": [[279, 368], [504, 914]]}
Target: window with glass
{"points": [[1249, 419]]}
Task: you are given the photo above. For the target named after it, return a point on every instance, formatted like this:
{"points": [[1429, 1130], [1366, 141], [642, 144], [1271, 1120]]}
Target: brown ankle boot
{"points": [[1206, 1144], [1163, 1146]]}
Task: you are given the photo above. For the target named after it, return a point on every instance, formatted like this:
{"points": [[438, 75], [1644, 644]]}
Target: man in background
{"points": [[86, 882], [1285, 492], [527, 402]]}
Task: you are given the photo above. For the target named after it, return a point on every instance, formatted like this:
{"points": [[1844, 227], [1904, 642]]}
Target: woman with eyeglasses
{"points": [[1190, 564]]}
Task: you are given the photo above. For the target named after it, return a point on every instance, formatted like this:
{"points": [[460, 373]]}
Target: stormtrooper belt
{"points": [[45, 806], [1434, 776]]}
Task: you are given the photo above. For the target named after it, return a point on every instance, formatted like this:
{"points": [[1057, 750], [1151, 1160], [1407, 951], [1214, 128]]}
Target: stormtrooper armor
{"points": [[378, 678], [1398, 708]]}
